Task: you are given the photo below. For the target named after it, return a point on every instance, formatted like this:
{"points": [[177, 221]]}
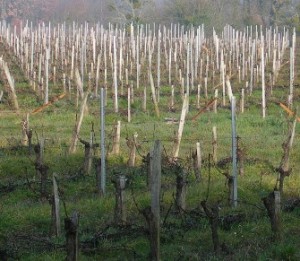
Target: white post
{"points": [[116, 107], [292, 63], [234, 151], [102, 138], [129, 104], [158, 59], [46, 92], [263, 90]]}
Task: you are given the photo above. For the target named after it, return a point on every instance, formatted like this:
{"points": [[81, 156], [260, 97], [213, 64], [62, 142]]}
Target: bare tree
{"points": [[267, 12], [195, 12], [129, 11]]}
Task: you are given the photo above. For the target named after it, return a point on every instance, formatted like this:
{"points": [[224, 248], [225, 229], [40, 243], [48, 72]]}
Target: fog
{"points": [[215, 13]]}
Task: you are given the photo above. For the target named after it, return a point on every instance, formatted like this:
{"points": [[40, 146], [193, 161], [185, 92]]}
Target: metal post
{"points": [[102, 123], [234, 151]]}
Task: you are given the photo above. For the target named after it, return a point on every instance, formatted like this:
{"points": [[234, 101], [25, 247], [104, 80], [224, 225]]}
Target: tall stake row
{"points": [[148, 55]]}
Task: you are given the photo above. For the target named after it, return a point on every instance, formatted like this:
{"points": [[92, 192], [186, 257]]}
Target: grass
{"points": [[190, 239]]}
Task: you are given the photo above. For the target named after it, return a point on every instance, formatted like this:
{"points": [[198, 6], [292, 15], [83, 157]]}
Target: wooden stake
{"points": [[25, 130], [154, 95], [55, 207], [11, 83], [242, 101], [273, 206], [172, 98], [116, 139], [132, 143], [284, 167], [120, 209], [128, 104], [145, 99], [177, 141], [229, 89], [181, 182], [213, 216], [155, 162], [197, 161], [72, 244], [198, 95], [216, 101], [77, 126]]}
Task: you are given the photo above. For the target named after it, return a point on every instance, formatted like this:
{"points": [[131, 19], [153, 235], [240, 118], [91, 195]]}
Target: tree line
{"points": [[214, 13]]}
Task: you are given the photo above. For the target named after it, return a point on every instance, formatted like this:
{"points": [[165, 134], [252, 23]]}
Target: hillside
{"points": [[36, 141]]}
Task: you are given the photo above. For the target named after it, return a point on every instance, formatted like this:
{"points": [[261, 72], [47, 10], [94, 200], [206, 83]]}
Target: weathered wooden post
{"points": [[252, 62], [11, 84], [1, 95], [116, 139], [97, 75], [72, 244], [64, 83], [205, 88], [154, 98], [182, 87], [129, 104], [172, 98], [88, 153], [198, 95], [284, 167], [132, 143], [79, 82], [54, 74], [240, 157], [197, 161], [120, 209], [154, 222], [56, 228], [181, 182], [242, 101], [213, 217], [177, 141], [187, 90], [25, 130], [229, 89], [216, 101], [41, 167], [77, 126], [272, 203], [144, 106], [72, 62]]}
